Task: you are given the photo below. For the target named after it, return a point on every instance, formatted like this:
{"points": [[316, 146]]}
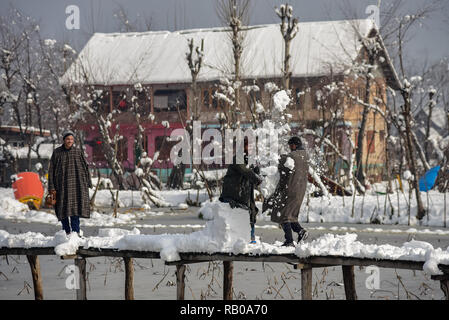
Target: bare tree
{"points": [[194, 59], [289, 29], [235, 14], [405, 24], [22, 76]]}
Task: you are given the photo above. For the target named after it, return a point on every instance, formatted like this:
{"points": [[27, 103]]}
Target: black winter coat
{"points": [[238, 185]]}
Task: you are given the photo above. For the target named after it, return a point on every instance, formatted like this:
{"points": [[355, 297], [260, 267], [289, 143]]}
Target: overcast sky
{"points": [[431, 41]]}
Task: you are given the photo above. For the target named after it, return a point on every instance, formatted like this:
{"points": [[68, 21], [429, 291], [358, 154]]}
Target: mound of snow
{"points": [[347, 246], [12, 206], [227, 228]]}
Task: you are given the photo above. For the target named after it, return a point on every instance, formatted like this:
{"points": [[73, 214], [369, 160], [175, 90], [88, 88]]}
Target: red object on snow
{"points": [[28, 187]]}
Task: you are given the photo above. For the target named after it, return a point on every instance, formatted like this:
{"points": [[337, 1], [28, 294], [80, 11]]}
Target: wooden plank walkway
{"points": [[306, 266]]}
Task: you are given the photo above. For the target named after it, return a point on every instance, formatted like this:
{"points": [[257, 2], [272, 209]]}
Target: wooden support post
{"points": [[80, 263], [306, 283], [180, 283], [349, 281], [129, 278], [444, 283], [36, 274], [228, 268]]}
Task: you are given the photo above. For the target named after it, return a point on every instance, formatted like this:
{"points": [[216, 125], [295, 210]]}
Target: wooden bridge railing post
{"points": [[129, 278], [349, 282], [444, 283], [180, 281], [36, 275], [80, 263], [228, 268], [306, 283]]}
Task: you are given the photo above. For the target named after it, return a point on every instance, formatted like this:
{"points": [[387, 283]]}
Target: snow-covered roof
{"points": [[33, 130], [45, 151], [160, 57]]}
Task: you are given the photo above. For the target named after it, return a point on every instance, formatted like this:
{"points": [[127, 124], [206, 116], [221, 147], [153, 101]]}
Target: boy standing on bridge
{"points": [[287, 198]]}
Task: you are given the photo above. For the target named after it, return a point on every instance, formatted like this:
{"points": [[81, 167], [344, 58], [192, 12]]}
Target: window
{"points": [[361, 93], [206, 98], [98, 153], [145, 143], [379, 92], [215, 102], [143, 101], [97, 150], [170, 100], [298, 98], [122, 150], [370, 142], [255, 98], [318, 99], [101, 101], [137, 151], [164, 147], [209, 98], [120, 100], [123, 100]]}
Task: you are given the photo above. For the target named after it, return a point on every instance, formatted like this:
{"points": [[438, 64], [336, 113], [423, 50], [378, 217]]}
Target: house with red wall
{"points": [[321, 53]]}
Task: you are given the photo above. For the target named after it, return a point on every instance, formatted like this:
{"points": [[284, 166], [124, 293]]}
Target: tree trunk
{"points": [[176, 178], [426, 142], [411, 155], [287, 65], [360, 175]]}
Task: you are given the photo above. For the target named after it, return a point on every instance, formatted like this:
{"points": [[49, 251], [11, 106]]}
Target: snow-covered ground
{"points": [[372, 208], [14, 210], [391, 209]]}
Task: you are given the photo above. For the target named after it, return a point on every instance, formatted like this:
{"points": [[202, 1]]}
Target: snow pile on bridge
{"points": [[347, 246], [226, 232], [227, 229]]}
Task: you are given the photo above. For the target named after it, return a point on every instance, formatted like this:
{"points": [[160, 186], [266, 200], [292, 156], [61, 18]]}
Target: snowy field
{"points": [[392, 209], [225, 230]]}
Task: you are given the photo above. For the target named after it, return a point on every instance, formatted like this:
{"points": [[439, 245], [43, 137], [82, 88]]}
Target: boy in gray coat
{"points": [[287, 199]]}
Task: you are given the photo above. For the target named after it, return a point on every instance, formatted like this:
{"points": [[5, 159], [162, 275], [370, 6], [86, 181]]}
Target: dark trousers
{"points": [[74, 224], [288, 227]]}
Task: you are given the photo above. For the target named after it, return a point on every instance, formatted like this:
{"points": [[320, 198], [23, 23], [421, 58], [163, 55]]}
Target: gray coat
{"points": [[69, 176], [287, 199]]}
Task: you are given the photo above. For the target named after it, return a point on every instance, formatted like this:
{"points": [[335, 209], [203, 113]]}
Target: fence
{"points": [[306, 266]]}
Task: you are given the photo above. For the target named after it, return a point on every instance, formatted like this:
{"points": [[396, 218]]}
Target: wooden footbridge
{"points": [[306, 266]]}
